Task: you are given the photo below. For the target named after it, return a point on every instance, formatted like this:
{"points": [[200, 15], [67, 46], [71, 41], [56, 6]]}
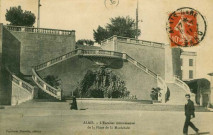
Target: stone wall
{"points": [[5, 87], [37, 48], [11, 49], [137, 81], [1, 33], [110, 45], [152, 57], [19, 95], [176, 52]]}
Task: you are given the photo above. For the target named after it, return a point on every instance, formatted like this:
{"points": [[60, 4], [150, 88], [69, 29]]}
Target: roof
{"points": [[189, 53]]}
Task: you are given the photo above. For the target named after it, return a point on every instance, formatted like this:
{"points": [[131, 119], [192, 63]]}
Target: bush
{"points": [[101, 83], [154, 93]]}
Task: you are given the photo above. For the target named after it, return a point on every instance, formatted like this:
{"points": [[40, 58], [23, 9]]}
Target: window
{"points": [[190, 74], [190, 62]]}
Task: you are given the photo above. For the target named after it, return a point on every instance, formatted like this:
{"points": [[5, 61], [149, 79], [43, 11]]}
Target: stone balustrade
{"points": [[182, 84], [23, 84], [55, 92], [39, 30], [133, 41]]}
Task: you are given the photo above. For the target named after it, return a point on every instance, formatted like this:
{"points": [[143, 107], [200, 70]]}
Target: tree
{"points": [[16, 16], [52, 81], [85, 42], [199, 87], [100, 34], [120, 26], [101, 83]]}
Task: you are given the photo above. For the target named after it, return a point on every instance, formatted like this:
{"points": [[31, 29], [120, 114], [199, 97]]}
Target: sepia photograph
{"points": [[106, 67]]}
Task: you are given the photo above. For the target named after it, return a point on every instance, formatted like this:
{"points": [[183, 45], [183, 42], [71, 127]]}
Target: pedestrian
{"points": [[74, 104], [189, 113]]}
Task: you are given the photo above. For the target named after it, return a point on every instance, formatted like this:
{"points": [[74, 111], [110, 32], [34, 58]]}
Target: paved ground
{"points": [[55, 118]]}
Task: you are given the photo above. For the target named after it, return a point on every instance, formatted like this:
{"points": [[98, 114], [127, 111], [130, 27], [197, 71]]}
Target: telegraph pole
{"points": [[38, 20], [137, 21]]}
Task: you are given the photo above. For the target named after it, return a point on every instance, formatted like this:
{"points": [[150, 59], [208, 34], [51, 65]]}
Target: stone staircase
{"points": [[177, 94], [56, 92]]}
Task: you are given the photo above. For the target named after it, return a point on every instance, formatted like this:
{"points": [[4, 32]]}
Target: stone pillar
{"points": [[114, 43], [79, 52], [124, 56], [45, 86]]}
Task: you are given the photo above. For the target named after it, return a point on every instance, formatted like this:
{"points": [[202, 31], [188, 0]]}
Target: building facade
{"points": [[188, 65]]}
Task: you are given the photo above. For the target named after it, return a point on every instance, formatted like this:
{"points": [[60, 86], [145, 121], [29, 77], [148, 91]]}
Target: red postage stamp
{"points": [[186, 27]]}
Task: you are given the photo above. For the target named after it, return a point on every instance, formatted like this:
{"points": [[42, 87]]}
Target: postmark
{"points": [[109, 4], [186, 27]]}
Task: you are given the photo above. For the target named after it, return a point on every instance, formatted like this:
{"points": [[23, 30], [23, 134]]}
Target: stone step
{"points": [[177, 94]]}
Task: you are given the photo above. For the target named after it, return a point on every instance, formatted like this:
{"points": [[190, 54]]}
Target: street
{"points": [[54, 118]]}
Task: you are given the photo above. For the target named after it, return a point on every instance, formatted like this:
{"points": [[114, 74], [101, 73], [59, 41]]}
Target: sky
{"points": [[84, 16]]}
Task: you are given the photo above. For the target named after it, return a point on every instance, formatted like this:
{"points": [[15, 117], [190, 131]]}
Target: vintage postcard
{"points": [[106, 67]]}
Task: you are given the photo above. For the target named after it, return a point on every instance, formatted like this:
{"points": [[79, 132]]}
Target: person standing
{"points": [[189, 113], [74, 104]]}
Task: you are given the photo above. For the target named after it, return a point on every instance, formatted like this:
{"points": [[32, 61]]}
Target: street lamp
{"points": [[38, 20]]}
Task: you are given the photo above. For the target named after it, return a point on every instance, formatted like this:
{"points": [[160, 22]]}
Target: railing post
{"points": [[64, 57], [20, 83], [79, 52], [23, 29], [35, 78], [114, 38], [45, 86], [124, 56], [48, 63], [97, 52], [58, 93], [128, 40], [163, 91]]}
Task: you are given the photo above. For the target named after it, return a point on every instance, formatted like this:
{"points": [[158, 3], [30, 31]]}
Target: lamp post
{"points": [[136, 23], [38, 20]]}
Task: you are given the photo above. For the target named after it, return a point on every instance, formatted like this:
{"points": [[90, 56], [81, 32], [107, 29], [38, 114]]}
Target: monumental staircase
{"points": [[177, 88]]}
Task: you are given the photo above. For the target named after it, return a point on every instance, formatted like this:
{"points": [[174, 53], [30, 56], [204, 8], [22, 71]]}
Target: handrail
{"points": [[133, 40], [55, 60], [160, 82], [148, 71], [77, 52], [39, 30], [28, 87], [182, 84], [46, 87], [101, 52], [163, 86], [23, 84]]}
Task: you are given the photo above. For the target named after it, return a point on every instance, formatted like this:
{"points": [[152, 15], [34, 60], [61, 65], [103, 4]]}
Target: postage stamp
{"points": [[186, 27]]}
